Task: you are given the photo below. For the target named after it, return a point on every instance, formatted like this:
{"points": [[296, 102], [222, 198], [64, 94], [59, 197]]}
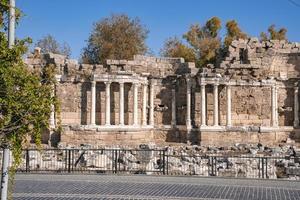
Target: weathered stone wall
{"points": [[78, 137], [181, 102], [69, 95], [242, 137], [252, 59], [75, 100], [250, 106], [209, 105], [162, 104], [286, 106], [251, 67]]}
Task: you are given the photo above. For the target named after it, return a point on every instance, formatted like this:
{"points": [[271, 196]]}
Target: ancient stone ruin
{"points": [[251, 96]]}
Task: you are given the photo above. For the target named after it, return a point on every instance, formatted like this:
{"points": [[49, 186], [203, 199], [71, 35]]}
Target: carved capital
{"points": [[107, 82], [93, 83]]}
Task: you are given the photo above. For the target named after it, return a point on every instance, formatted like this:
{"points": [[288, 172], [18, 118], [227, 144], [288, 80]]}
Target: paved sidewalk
{"points": [[77, 187]]}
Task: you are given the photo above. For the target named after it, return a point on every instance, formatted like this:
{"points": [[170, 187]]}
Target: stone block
{"points": [[295, 171]]}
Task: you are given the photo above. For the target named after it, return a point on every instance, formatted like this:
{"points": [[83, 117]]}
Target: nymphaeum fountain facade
{"points": [[251, 96]]}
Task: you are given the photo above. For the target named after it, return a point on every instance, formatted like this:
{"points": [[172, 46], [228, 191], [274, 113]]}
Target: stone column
{"points": [[121, 112], [151, 111], [203, 105], [276, 110], [107, 103], [216, 105], [93, 103], [273, 106], [173, 122], [52, 115], [296, 107], [188, 103], [144, 120], [135, 104], [52, 123], [228, 114]]}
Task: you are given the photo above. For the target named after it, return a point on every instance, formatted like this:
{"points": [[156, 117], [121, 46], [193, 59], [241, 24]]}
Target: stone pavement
{"points": [[77, 187]]}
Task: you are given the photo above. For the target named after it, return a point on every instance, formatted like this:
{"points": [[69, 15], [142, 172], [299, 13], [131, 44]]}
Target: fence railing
{"points": [[92, 160], [234, 166], [149, 161]]}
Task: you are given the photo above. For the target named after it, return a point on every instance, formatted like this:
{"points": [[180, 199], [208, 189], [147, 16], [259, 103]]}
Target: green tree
{"points": [[49, 44], [25, 96], [173, 48], [205, 40], [274, 34], [233, 32], [115, 37]]}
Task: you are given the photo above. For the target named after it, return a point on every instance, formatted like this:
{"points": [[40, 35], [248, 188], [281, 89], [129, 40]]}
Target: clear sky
{"points": [[72, 20]]}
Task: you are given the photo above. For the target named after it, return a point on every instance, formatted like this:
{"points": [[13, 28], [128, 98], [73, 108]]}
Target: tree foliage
{"points": [[233, 32], [274, 34], [205, 43], [205, 40], [25, 96], [49, 44], [115, 37], [173, 47]]}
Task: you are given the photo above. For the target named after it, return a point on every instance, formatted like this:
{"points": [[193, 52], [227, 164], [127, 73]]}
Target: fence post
{"points": [[65, 154], [212, 165], [72, 160], [112, 161], [215, 166], [116, 160], [69, 161], [262, 168], [164, 162], [167, 164], [27, 160], [259, 168], [266, 166], [227, 163]]}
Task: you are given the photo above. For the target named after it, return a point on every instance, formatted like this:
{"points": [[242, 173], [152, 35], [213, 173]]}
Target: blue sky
{"points": [[72, 20]]}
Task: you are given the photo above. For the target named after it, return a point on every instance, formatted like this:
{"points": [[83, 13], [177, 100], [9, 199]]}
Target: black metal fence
{"points": [[92, 160], [243, 166], [149, 161]]}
